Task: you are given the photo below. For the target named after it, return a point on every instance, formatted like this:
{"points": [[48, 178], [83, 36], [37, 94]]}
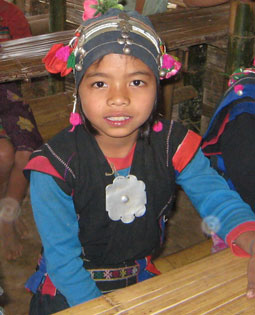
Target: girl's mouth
{"points": [[117, 120]]}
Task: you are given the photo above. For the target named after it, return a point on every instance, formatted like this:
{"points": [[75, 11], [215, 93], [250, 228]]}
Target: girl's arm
{"points": [[213, 199], [203, 3], [57, 224], [211, 196]]}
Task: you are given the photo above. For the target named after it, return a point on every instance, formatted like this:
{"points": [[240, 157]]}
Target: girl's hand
{"points": [[247, 242]]}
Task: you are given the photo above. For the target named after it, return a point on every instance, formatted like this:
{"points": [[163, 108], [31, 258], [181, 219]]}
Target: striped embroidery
{"points": [[4, 33]]}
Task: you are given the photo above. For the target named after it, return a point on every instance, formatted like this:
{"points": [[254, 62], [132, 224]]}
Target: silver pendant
{"points": [[125, 199]]}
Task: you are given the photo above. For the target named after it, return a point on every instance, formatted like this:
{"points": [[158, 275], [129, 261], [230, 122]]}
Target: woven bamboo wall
{"points": [[214, 80], [74, 10], [35, 7]]}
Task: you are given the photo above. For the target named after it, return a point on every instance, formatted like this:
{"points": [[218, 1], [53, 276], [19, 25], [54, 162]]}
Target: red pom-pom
{"points": [[55, 65]]}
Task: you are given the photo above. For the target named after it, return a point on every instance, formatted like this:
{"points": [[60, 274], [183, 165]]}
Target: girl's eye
{"points": [[137, 83], [99, 84]]}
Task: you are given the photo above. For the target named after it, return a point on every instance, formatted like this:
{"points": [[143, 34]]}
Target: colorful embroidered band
{"points": [[114, 273]]}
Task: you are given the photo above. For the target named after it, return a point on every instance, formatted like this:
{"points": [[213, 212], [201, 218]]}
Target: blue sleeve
{"points": [[212, 197], [57, 224]]}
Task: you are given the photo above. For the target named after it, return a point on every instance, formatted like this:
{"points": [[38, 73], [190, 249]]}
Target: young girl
{"points": [[101, 191]]}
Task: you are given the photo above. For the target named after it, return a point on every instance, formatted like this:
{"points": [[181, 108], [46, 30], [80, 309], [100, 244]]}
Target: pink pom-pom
{"points": [[170, 65], [63, 53], [239, 89], [88, 10], [168, 61], [158, 126], [75, 120]]}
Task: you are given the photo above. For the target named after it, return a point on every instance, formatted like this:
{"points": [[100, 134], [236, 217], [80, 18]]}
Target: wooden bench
{"points": [[39, 24], [51, 113]]}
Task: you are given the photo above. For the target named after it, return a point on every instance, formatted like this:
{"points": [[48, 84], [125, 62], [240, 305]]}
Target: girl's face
{"points": [[117, 96]]}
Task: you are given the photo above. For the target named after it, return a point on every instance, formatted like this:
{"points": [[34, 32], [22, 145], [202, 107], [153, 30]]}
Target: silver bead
{"points": [[129, 41], [162, 73], [239, 92], [124, 199], [121, 41], [78, 67], [124, 35], [126, 50], [82, 51]]}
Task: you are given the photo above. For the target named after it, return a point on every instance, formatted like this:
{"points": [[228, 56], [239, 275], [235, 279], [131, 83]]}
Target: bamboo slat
{"points": [[34, 46], [21, 59], [192, 26], [74, 11], [209, 286], [180, 3]]}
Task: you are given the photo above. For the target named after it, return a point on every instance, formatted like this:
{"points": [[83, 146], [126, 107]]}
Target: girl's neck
{"points": [[115, 147]]}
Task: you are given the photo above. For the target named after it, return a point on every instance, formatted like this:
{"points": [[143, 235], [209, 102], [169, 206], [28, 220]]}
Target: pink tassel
{"points": [[75, 120], [158, 126]]}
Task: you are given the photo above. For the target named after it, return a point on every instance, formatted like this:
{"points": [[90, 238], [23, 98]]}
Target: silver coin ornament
{"points": [[125, 199]]}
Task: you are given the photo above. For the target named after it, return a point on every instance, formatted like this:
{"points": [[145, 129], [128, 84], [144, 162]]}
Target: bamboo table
{"points": [[213, 285]]}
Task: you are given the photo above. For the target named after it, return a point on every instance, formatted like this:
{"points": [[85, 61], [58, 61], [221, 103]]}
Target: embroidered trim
{"points": [[114, 273], [60, 160], [165, 206], [167, 142], [112, 42], [146, 32]]}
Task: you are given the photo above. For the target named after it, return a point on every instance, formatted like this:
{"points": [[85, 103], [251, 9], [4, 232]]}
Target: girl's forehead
{"points": [[110, 60]]}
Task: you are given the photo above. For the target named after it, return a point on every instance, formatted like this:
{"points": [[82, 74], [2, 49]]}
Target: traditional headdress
{"points": [[116, 31]]}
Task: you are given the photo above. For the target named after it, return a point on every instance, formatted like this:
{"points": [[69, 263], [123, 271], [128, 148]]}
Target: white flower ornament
{"points": [[125, 199]]}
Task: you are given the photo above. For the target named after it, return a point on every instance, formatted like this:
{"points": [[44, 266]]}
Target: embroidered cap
{"points": [[115, 31], [118, 32]]}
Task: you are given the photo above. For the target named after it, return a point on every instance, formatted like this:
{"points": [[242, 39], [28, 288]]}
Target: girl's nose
{"points": [[118, 97]]}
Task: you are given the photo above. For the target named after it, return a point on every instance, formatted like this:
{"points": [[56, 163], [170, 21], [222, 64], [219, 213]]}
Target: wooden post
{"points": [[57, 15], [20, 4], [241, 35], [57, 21], [139, 6]]}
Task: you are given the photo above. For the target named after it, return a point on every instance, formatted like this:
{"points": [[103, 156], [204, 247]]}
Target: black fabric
{"points": [[238, 152], [109, 286], [46, 304], [110, 243], [232, 154], [217, 123]]}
